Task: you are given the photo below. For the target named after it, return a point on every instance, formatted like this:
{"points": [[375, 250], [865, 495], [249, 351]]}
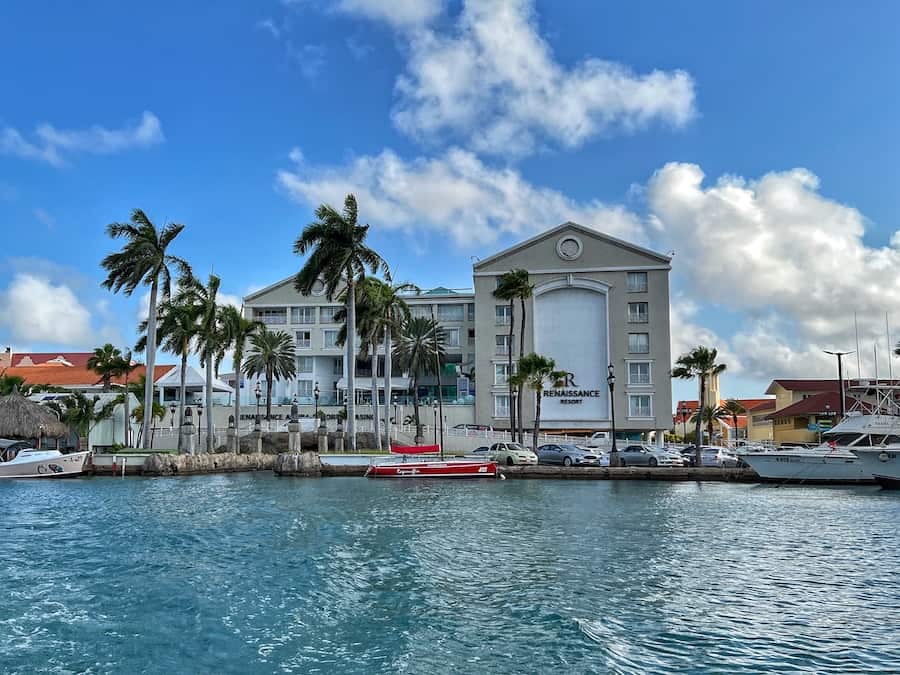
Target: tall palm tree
{"points": [[420, 348], [707, 415], [144, 260], [392, 313], [80, 412], [514, 285], [106, 362], [126, 367], [338, 255], [271, 354], [700, 362], [178, 327], [732, 408], [238, 330], [536, 372], [210, 335]]}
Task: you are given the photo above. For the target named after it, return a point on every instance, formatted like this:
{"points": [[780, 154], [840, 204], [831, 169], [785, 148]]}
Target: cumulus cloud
{"points": [[402, 14], [55, 146], [34, 309], [492, 83], [454, 194]]}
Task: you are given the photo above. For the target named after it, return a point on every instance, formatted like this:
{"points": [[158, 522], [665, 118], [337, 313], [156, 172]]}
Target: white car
{"points": [[511, 454], [598, 439], [720, 457], [647, 455], [602, 455]]}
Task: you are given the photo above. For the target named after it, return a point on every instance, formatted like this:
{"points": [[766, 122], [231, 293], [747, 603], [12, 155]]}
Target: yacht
{"points": [[17, 461], [883, 462], [838, 458]]}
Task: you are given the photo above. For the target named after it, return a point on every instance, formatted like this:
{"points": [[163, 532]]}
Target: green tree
{"points": [[536, 372], [238, 331], [514, 285], [8, 383], [81, 413], [707, 415], [272, 355], [144, 260], [126, 367], [732, 408], [106, 362], [392, 312], [420, 348], [700, 362], [338, 256]]}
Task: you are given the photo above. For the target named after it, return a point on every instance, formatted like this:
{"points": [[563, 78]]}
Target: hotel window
{"points": [[304, 364], [303, 314], [451, 312], [452, 337], [639, 343], [501, 373], [304, 339], [420, 311], [329, 339], [638, 312], [502, 314], [470, 309], [640, 405], [270, 316], [326, 314], [502, 342], [337, 367], [305, 388], [637, 282], [639, 372], [471, 337], [501, 405]]}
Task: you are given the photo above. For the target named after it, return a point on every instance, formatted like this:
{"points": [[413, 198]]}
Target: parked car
{"points": [[647, 455], [483, 450], [598, 439], [473, 427], [512, 453], [710, 456], [602, 455], [567, 455]]}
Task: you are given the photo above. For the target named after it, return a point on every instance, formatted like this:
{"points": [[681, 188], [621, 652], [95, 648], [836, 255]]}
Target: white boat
{"points": [[883, 463], [33, 463], [835, 460]]}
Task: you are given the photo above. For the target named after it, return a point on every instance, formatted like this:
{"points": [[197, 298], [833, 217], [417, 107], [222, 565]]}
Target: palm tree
{"points": [[177, 320], [80, 413], [700, 362], [421, 346], [126, 367], [144, 260], [392, 312], [106, 362], [338, 256], [535, 372], [709, 414], [238, 330], [514, 285], [272, 355], [8, 383], [732, 408]]}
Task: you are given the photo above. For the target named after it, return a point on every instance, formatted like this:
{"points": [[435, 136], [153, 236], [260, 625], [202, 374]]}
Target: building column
{"points": [[660, 437]]}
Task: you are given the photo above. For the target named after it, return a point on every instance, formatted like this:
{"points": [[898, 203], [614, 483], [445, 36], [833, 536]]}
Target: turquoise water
{"points": [[254, 574]]}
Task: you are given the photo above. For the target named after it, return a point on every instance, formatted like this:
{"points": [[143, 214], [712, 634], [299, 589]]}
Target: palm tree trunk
{"points": [[151, 361], [509, 372], [376, 423], [537, 419], [416, 407], [237, 402], [351, 363], [734, 421], [182, 392], [698, 456], [521, 392], [387, 382], [269, 375], [210, 436], [126, 408]]}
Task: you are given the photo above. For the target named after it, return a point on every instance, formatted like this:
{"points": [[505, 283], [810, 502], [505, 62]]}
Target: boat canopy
{"points": [[415, 449]]}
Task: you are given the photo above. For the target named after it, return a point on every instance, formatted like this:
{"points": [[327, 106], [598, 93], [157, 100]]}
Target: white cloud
{"points": [[34, 309], [493, 84], [54, 146], [454, 194], [397, 13]]}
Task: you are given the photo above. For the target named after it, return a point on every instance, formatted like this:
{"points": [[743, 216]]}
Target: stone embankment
{"points": [[226, 462], [304, 463]]}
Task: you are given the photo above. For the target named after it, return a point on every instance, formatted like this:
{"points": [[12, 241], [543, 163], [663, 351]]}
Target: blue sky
{"points": [[757, 140]]}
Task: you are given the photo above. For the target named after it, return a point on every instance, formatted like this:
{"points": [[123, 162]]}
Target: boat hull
{"points": [[884, 465], [436, 469], [63, 466], [790, 468]]}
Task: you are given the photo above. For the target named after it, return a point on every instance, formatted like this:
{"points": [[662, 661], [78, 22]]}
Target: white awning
{"points": [[194, 379], [365, 383]]}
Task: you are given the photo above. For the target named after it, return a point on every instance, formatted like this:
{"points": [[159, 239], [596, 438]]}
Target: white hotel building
{"points": [[597, 301]]}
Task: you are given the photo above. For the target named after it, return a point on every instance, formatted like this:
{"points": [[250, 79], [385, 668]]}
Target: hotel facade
{"points": [[597, 301]]}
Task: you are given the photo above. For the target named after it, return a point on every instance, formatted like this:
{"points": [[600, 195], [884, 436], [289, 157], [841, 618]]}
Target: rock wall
{"points": [[298, 464], [181, 465]]}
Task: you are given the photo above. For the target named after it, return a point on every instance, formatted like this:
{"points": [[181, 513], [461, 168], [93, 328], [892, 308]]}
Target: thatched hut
{"points": [[21, 418]]}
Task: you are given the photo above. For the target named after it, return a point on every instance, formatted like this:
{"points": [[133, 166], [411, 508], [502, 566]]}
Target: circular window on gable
{"points": [[569, 247], [318, 287]]}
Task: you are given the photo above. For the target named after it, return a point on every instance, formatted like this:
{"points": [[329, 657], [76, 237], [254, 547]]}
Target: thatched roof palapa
{"points": [[21, 418]]}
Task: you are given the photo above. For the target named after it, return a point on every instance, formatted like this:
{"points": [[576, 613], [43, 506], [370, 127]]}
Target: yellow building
{"points": [[801, 403]]}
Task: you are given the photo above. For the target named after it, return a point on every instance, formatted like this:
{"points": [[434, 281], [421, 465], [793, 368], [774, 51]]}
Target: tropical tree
{"points": [[177, 320], [133, 388], [106, 362], [392, 313], [700, 362], [707, 415], [237, 331], [272, 355], [420, 349], [144, 260], [536, 372], [514, 285], [732, 408], [338, 256], [9, 383], [157, 414], [126, 367], [80, 412]]}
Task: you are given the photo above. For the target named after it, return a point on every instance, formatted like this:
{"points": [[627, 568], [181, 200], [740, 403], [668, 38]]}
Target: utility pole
{"points": [[839, 356]]}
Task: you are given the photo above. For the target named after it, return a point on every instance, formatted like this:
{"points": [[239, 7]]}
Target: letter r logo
{"points": [[570, 380]]}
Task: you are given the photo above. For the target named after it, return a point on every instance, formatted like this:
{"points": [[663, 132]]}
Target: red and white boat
{"points": [[401, 465]]}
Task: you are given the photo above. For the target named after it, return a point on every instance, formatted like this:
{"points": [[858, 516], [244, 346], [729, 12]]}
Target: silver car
{"points": [[647, 455], [567, 455]]}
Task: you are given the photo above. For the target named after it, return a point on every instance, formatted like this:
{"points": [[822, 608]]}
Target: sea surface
{"points": [[253, 574]]}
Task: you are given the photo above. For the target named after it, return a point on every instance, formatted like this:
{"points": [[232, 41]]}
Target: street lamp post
{"points": [[316, 399], [171, 416], [611, 381], [258, 391], [839, 356], [434, 407], [199, 423]]}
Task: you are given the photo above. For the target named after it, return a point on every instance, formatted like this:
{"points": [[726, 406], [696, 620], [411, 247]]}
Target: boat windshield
{"points": [[856, 439]]}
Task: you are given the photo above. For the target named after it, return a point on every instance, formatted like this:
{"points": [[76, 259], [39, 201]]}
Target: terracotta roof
{"points": [[804, 385], [819, 404], [750, 404], [78, 359], [767, 404], [58, 375]]}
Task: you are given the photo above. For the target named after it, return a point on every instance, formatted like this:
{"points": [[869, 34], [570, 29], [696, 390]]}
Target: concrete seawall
{"points": [[186, 465]]}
